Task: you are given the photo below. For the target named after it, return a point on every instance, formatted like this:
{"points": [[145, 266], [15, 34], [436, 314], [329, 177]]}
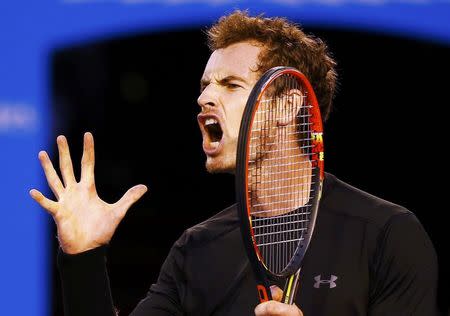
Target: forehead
{"points": [[240, 59]]}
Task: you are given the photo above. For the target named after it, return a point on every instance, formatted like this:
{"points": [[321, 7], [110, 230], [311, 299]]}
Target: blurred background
{"points": [[128, 71]]}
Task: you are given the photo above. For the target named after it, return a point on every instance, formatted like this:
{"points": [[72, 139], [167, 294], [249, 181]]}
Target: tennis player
{"points": [[367, 256]]}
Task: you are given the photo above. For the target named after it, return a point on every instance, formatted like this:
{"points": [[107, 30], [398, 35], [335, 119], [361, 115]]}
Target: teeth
{"points": [[210, 121]]}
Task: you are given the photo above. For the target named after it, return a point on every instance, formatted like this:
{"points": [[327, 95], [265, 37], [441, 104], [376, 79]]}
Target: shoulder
{"points": [[394, 236], [341, 199], [218, 226], [386, 228], [401, 258]]}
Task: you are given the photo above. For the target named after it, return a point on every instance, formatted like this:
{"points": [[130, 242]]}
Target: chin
{"points": [[215, 165]]}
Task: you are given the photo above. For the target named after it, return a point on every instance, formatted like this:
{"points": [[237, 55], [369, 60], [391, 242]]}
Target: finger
{"points": [[52, 177], [297, 309], [274, 308], [277, 293], [49, 205], [129, 198], [65, 162], [269, 308], [88, 159]]}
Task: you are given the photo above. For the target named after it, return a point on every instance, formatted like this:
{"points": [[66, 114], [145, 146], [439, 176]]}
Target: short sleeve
{"points": [[405, 271]]}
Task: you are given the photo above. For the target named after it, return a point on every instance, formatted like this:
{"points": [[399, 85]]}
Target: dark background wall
{"points": [[138, 97]]}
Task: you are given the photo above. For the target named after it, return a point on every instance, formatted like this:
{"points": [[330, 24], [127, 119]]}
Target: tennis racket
{"points": [[279, 176]]}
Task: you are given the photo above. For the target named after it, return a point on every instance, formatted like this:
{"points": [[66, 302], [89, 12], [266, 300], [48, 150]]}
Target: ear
{"points": [[288, 107]]}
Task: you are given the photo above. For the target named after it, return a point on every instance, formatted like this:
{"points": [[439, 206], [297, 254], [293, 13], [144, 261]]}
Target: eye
{"points": [[233, 86]]}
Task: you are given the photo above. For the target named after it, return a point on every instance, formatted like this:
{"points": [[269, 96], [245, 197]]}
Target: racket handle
{"points": [[263, 294], [291, 288]]}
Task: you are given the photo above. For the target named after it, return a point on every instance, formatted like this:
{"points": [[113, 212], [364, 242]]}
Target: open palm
{"points": [[83, 220]]}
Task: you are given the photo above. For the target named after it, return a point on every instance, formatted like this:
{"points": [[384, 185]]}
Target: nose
{"points": [[208, 98]]}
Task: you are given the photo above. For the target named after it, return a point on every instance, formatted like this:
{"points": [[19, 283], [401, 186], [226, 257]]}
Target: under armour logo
{"points": [[330, 282]]}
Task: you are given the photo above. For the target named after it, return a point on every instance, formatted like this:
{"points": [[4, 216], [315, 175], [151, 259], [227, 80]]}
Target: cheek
{"points": [[236, 121], [233, 107]]}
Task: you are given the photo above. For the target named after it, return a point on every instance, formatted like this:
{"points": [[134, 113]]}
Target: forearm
{"points": [[85, 283]]}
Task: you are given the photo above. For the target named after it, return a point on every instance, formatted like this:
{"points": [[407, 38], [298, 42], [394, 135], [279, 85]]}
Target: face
{"points": [[226, 83]]}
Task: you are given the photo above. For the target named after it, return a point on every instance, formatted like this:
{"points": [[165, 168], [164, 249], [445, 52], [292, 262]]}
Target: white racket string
{"points": [[280, 172]]}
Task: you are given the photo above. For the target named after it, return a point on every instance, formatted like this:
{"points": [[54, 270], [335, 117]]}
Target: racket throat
{"points": [[290, 289]]}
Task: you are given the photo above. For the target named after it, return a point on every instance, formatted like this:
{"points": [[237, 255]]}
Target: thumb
{"points": [[277, 293], [129, 198]]}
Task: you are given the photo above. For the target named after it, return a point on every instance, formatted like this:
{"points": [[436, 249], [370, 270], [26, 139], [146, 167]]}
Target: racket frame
{"points": [[292, 271]]}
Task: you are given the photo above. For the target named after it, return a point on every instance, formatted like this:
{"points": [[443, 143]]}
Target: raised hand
{"points": [[83, 220]]}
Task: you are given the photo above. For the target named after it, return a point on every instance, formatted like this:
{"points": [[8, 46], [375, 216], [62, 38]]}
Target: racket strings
{"points": [[280, 171]]}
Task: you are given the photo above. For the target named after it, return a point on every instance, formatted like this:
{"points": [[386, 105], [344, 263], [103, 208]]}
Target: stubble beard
{"points": [[219, 164]]}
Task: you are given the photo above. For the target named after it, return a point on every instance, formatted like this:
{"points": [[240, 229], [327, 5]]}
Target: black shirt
{"points": [[367, 257]]}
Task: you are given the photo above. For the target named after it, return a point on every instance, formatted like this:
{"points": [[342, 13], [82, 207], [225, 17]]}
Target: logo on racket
{"points": [[330, 282], [318, 137]]}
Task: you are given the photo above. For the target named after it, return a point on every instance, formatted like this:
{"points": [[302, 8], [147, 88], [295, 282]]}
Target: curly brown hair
{"points": [[285, 45]]}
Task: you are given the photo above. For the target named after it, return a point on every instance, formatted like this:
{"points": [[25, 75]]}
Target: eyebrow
{"points": [[204, 82]]}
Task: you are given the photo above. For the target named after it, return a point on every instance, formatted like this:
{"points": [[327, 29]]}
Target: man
{"points": [[367, 256]]}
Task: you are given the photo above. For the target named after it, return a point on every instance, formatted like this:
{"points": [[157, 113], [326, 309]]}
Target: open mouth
{"points": [[212, 133], [213, 130]]}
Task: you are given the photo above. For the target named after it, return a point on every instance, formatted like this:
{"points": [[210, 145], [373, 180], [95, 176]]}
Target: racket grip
{"points": [[263, 294]]}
